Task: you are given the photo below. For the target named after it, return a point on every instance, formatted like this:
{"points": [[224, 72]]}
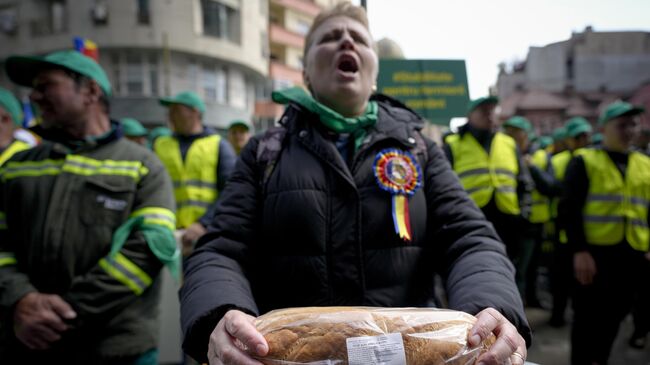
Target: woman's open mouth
{"points": [[347, 64]]}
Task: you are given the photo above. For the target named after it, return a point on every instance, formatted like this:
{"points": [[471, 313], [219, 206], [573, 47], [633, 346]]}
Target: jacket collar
{"points": [[395, 122], [65, 145]]}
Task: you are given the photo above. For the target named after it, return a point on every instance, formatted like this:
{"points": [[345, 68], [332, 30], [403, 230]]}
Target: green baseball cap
{"points": [[558, 134], [159, 132], [186, 98], [239, 122], [545, 141], [576, 126], [520, 123], [133, 128], [23, 69], [480, 101], [597, 138], [618, 109], [9, 103]]}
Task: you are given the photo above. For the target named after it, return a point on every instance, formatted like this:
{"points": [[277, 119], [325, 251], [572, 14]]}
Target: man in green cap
{"points": [[157, 132], [492, 171], [86, 222], [10, 118], [559, 140], [199, 163], [519, 128], [577, 136], [134, 131], [239, 132], [606, 202], [539, 165]]}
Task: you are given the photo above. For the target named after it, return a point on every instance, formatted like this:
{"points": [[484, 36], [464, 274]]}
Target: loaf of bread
{"points": [[368, 336]]}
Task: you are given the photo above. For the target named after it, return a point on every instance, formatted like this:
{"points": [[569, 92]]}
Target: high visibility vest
{"points": [[560, 162], [483, 175], [15, 146], [541, 210], [195, 179], [617, 207]]}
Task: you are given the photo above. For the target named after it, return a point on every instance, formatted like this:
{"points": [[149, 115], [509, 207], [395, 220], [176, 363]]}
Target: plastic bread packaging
{"points": [[368, 336]]}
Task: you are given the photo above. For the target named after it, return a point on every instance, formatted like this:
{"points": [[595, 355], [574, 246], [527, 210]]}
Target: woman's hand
{"points": [[235, 329], [509, 348]]}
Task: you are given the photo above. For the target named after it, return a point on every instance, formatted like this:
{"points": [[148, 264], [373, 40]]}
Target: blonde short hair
{"points": [[341, 9]]}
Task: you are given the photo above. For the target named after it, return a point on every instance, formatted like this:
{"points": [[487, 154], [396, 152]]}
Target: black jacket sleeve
{"points": [[472, 260], [545, 181], [576, 187], [215, 279]]}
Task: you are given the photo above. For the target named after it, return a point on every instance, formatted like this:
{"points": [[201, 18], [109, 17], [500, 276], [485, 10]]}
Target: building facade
{"points": [[154, 48], [289, 22], [577, 77]]}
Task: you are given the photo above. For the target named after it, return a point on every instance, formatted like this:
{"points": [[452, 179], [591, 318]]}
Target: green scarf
{"points": [[332, 120], [161, 241]]}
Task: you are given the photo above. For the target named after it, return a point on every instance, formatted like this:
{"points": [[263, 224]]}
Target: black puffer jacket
{"points": [[320, 233]]}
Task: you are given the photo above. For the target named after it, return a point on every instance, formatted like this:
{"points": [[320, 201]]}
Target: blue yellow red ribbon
{"points": [[398, 173]]}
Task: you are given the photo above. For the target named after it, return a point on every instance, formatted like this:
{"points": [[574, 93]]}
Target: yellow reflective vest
{"points": [[541, 210], [617, 206], [15, 146], [483, 175], [195, 179]]}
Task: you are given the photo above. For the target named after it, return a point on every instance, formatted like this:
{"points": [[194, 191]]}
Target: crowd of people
{"points": [[344, 203]]}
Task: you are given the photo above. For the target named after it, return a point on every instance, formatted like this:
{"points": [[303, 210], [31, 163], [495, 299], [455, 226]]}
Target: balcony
{"points": [[301, 6], [281, 35], [279, 71]]}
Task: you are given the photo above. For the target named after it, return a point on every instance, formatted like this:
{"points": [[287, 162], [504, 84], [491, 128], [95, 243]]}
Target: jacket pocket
{"points": [[107, 201]]}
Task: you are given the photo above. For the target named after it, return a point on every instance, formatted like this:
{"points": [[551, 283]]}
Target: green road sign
{"points": [[435, 89]]}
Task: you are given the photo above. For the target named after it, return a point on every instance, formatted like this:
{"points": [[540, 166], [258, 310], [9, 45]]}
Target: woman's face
{"points": [[341, 65]]}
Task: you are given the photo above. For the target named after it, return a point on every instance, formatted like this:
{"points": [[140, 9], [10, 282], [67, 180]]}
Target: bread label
{"points": [[376, 350]]}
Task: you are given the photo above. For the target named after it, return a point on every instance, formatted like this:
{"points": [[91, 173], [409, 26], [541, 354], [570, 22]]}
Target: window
{"points": [[222, 85], [49, 18], [264, 7], [280, 84], [302, 27], [264, 40], [8, 20], [58, 16], [209, 83], [193, 77], [134, 75], [220, 20], [117, 75], [143, 12], [99, 13], [153, 75]]}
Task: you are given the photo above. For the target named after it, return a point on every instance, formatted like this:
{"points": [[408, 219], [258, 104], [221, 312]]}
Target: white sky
{"points": [[485, 33]]}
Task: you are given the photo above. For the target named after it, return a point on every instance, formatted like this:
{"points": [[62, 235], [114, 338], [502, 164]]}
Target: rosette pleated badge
{"points": [[398, 173]]}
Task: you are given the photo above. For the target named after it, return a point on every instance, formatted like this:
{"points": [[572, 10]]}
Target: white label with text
{"points": [[376, 350]]}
